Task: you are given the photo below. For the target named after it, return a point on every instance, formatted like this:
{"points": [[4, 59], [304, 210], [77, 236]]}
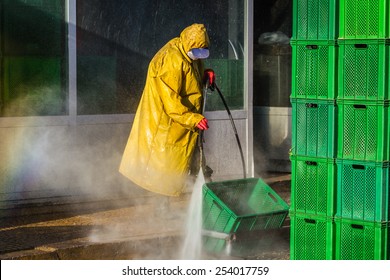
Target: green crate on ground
{"points": [[313, 127], [311, 237], [363, 69], [361, 240], [362, 190], [235, 206], [363, 130], [314, 69], [364, 19], [313, 183], [314, 20]]}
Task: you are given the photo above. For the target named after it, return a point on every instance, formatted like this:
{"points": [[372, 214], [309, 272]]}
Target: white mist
{"points": [[192, 246]]}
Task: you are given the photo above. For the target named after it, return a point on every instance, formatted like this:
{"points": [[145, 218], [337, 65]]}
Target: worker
{"points": [[169, 117]]}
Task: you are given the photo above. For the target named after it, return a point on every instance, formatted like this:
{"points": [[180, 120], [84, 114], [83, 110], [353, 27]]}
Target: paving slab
{"points": [[123, 231]]}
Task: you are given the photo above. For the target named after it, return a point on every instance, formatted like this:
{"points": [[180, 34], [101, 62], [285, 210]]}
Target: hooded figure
{"points": [[167, 122]]}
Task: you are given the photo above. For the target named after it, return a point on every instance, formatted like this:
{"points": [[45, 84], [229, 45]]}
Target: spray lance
{"points": [[205, 169], [210, 84]]}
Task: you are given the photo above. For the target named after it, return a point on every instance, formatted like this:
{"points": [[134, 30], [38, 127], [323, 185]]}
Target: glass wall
{"points": [[116, 40], [272, 53], [33, 58]]}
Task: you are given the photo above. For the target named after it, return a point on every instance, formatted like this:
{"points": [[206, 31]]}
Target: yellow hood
{"points": [[194, 36]]}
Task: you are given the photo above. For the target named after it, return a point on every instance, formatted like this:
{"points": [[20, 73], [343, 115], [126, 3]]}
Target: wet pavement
{"points": [[122, 230]]}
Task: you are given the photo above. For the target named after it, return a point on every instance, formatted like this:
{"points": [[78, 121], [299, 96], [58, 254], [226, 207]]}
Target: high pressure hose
{"points": [[234, 129], [212, 86]]}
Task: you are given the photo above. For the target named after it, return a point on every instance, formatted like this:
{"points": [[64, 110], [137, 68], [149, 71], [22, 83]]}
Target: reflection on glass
{"points": [[32, 55], [117, 39]]}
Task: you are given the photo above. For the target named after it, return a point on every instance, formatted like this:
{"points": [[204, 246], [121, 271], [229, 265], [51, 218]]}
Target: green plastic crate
{"points": [[361, 240], [362, 190], [311, 237], [313, 183], [314, 69], [364, 19], [363, 69], [237, 206], [363, 130], [313, 128], [315, 20]]}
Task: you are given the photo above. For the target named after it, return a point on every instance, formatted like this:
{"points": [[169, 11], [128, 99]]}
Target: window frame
{"points": [[73, 119]]}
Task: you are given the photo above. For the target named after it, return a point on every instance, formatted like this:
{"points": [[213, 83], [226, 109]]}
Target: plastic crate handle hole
{"points": [[310, 221], [355, 226]]}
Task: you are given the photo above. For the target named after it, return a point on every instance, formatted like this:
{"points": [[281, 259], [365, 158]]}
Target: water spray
{"points": [[193, 240], [228, 237]]}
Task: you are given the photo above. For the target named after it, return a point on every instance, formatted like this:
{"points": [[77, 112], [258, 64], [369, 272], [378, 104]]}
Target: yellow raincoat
{"points": [[164, 134]]}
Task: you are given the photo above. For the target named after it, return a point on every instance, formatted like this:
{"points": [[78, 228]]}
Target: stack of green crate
{"points": [[314, 123], [340, 130], [363, 153]]}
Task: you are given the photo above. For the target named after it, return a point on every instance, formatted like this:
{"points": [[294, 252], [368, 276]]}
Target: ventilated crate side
{"points": [[361, 240], [364, 19], [362, 190], [313, 128], [314, 69], [363, 70], [311, 237], [315, 19], [313, 183], [363, 130]]}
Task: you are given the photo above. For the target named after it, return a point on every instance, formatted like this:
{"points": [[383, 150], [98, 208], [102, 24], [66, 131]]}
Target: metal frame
{"points": [[70, 11], [249, 85]]}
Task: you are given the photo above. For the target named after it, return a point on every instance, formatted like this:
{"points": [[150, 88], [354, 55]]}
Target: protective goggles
{"points": [[200, 53]]}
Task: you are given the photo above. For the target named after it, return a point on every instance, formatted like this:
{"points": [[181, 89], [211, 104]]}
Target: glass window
{"points": [[32, 57], [272, 53], [117, 39]]}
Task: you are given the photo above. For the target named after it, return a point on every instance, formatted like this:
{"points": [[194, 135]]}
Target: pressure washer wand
{"points": [[201, 132], [234, 128]]}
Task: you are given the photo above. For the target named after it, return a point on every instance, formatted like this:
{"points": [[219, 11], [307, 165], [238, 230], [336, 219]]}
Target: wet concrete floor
{"points": [[128, 231]]}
